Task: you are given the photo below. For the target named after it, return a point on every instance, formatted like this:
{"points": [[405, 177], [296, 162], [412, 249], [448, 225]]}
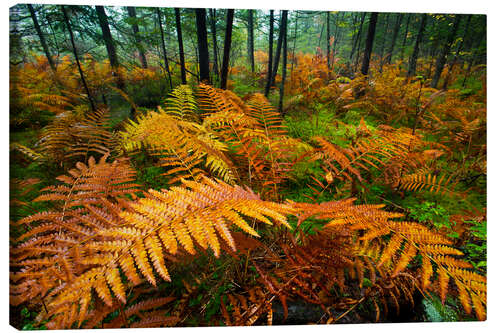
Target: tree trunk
{"points": [[441, 60], [294, 44], [181, 44], [270, 53], [251, 40], [338, 33], [369, 43], [278, 48], [283, 78], [359, 42], [42, 38], [455, 57], [201, 33], [328, 39], [414, 56], [382, 48], [394, 37], [402, 52], [110, 46], [164, 51], [227, 48], [75, 53], [214, 37], [477, 42], [135, 29]]}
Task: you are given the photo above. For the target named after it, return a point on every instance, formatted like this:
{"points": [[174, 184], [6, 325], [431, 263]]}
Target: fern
{"points": [[72, 136], [410, 239], [432, 183], [96, 234], [182, 144]]}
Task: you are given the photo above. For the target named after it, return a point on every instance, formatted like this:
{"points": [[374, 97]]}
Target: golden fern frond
{"points": [[183, 145], [31, 153], [97, 235], [181, 104]]}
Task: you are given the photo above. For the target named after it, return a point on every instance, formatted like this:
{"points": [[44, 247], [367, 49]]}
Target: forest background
{"points": [[422, 6]]}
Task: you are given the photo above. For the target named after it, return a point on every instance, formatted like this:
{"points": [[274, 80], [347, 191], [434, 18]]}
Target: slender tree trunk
{"points": [[270, 61], [394, 37], [338, 33], [251, 40], [42, 38], [328, 39], [181, 44], [164, 50], [278, 48], [457, 53], [294, 44], [227, 48], [441, 61], [283, 79], [405, 37], [359, 42], [214, 44], [75, 53], [414, 56], [135, 29], [356, 38], [382, 48], [201, 33], [471, 60], [110, 46], [369, 43]]}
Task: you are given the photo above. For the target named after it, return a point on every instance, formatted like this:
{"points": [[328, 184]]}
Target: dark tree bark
{"points": [[251, 40], [477, 40], [75, 53], [294, 44], [181, 45], [201, 33], [397, 25], [457, 53], [106, 35], [214, 44], [414, 56], [328, 38], [405, 37], [164, 51], [135, 29], [369, 43], [278, 48], [382, 47], [283, 78], [270, 53], [227, 48], [41, 37], [441, 60], [359, 42], [357, 39], [110, 46]]}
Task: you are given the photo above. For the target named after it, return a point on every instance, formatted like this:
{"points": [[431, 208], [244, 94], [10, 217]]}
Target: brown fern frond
{"points": [[70, 136], [432, 183], [96, 236]]}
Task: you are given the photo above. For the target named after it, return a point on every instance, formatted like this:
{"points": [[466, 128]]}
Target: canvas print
{"points": [[220, 167]]}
